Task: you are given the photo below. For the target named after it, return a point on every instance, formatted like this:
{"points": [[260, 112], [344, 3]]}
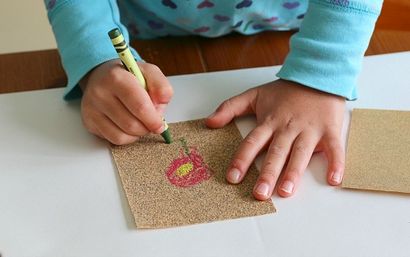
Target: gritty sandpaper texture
{"points": [[378, 154], [184, 182]]}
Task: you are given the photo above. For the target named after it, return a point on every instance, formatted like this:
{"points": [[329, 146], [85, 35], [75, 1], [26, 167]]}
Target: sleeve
{"points": [[327, 52], [80, 28]]}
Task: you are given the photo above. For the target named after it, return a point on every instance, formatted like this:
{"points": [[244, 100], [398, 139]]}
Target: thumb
{"points": [[234, 107], [159, 88]]}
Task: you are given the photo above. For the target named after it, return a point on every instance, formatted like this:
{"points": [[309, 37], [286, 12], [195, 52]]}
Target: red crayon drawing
{"points": [[189, 169]]}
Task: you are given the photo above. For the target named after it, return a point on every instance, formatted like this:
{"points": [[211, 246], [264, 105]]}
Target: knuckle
{"points": [[113, 77], [165, 94], [250, 140], [142, 109], [290, 124], [120, 139], [269, 120], [270, 169], [130, 126], [269, 175], [153, 68], [300, 148], [268, 172], [276, 150], [226, 105], [168, 91]]}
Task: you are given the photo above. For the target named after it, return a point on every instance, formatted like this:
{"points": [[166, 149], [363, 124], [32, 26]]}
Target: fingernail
{"points": [[337, 176], [234, 175], [262, 189], [287, 186]]}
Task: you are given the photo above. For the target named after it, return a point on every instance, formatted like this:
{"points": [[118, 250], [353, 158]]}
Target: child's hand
{"points": [[116, 107], [293, 121]]}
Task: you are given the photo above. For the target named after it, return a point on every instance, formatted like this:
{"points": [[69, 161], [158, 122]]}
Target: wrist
{"points": [[84, 81]]}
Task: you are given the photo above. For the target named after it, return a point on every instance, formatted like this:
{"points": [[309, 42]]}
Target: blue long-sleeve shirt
{"points": [[325, 54]]}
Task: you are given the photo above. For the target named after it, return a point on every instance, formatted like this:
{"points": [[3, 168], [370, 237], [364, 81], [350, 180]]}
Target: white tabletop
{"points": [[60, 194]]}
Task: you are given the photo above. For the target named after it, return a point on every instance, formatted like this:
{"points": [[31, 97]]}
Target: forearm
{"points": [[327, 52], [80, 28]]}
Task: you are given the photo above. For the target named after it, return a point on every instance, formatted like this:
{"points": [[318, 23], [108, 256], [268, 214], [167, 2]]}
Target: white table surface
{"points": [[60, 194]]}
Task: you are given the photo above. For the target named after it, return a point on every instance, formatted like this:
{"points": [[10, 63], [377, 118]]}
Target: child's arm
{"points": [[114, 106], [303, 112], [327, 52]]}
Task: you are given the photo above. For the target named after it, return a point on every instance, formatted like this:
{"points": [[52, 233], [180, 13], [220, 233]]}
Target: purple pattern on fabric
{"points": [[169, 3], [244, 4], [221, 18], [205, 4], [51, 4], [271, 19], [258, 26], [155, 25], [291, 5], [237, 25], [201, 29]]}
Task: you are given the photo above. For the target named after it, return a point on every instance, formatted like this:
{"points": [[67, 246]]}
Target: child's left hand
{"points": [[293, 122]]}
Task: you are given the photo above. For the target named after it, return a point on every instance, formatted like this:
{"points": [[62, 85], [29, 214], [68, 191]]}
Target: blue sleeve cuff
{"points": [[326, 54], [82, 37]]}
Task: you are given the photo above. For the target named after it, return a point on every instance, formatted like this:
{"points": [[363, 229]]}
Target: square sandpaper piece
{"points": [[378, 153], [184, 182]]}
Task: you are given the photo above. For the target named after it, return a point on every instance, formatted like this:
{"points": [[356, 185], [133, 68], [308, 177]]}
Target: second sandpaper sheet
{"points": [[378, 154]]}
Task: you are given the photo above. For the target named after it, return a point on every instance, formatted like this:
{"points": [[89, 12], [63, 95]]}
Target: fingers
{"points": [[159, 88], [108, 130], [121, 116], [231, 108], [302, 151], [335, 154], [273, 164], [139, 103], [114, 99], [247, 152]]}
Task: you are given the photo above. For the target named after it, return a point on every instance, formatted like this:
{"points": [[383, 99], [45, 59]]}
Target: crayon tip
{"points": [[167, 136]]}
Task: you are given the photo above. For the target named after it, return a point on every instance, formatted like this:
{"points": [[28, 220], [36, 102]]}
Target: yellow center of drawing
{"points": [[184, 169]]}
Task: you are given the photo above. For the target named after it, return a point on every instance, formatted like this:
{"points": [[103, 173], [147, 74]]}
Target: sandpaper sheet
{"points": [[184, 182], [378, 154]]}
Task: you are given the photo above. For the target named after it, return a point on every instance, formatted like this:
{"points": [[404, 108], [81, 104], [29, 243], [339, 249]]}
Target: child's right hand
{"points": [[116, 107]]}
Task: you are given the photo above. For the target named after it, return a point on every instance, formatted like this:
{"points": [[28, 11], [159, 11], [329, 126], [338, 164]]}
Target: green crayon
{"points": [[131, 65]]}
